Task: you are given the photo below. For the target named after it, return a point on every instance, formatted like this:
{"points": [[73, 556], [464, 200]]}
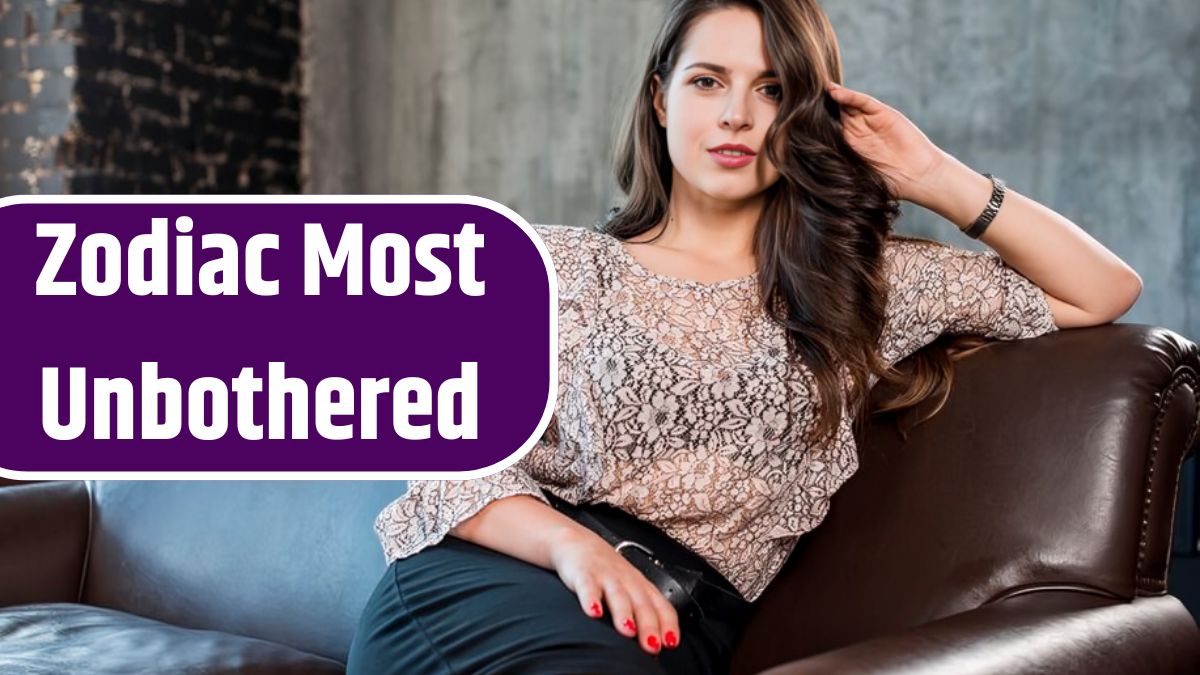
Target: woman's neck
{"points": [[710, 229]]}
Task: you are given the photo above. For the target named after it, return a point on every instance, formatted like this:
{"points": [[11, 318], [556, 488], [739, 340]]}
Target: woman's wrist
{"points": [[956, 192], [568, 536]]}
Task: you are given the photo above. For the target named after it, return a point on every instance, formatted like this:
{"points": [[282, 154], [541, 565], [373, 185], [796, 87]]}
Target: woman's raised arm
{"points": [[1085, 283]]}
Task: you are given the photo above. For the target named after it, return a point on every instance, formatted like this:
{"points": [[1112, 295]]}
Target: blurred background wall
{"points": [[1088, 107]]}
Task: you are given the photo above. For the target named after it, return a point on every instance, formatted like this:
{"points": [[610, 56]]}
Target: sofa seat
{"points": [[72, 638]]}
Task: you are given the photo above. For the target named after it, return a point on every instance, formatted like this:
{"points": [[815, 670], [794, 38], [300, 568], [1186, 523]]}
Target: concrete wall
{"points": [[515, 101], [1088, 107]]}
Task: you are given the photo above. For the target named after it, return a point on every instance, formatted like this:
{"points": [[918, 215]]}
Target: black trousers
{"points": [[457, 607]]}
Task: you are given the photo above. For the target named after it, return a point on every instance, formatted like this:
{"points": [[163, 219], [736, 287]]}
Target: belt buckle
{"points": [[680, 597], [633, 544]]}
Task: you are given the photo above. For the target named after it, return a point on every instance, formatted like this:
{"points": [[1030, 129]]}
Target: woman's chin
{"points": [[724, 193]]}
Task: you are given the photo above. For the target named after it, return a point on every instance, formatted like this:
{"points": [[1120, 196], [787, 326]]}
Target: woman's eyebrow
{"points": [[723, 70]]}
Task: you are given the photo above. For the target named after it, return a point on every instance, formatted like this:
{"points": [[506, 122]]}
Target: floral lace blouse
{"points": [[678, 404]]}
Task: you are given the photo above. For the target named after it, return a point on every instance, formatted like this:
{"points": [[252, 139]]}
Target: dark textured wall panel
{"points": [[37, 74], [188, 96]]}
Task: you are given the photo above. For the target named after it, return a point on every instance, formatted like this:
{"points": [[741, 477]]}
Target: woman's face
{"points": [[727, 99]]}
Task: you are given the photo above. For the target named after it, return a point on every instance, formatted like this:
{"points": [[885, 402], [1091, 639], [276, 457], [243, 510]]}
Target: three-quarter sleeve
{"points": [[937, 289], [429, 509]]}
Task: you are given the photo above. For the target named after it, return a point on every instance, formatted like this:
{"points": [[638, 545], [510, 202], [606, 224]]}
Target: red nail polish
{"points": [[630, 625], [670, 639], [596, 611], [652, 642]]}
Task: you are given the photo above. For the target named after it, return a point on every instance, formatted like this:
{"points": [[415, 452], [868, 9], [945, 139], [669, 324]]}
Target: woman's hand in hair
{"points": [[599, 575], [881, 134]]}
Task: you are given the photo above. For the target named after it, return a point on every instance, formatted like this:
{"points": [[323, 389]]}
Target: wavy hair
{"points": [[820, 239]]}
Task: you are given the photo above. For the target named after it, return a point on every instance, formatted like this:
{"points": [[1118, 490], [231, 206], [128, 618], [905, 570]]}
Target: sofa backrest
{"points": [[1054, 464], [289, 561]]}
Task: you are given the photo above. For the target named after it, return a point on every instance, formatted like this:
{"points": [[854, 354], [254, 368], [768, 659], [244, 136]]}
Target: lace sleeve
{"points": [[426, 513], [936, 289]]}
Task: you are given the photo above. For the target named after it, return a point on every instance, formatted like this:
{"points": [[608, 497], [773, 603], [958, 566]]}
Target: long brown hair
{"points": [[820, 239]]}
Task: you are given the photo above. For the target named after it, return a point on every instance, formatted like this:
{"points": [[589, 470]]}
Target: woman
{"points": [[718, 336]]}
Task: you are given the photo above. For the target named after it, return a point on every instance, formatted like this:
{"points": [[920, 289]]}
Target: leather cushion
{"points": [[71, 638], [291, 562]]}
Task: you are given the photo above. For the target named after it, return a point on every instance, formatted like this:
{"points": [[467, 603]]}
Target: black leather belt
{"points": [[692, 596]]}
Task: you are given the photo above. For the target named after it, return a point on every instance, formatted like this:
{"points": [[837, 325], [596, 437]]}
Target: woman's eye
{"points": [[706, 83]]}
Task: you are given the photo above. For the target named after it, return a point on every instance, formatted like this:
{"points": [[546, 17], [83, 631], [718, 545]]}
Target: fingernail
{"points": [[652, 642], [596, 611], [629, 624], [670, 639]]}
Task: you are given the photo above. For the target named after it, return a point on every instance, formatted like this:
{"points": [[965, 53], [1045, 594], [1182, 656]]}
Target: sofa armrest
{"points": [[43, 541], [5, 482], [1062, 632]]}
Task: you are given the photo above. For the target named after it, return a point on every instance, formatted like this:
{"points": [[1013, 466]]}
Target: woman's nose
{"points": [[735, 116]]}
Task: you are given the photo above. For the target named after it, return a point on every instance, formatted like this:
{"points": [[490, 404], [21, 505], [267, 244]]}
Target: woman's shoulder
{"points": [[566, 237], [575, 250]]}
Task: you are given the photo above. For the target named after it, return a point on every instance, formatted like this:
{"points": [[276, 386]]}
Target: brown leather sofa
{"points": [[1025, 529]]}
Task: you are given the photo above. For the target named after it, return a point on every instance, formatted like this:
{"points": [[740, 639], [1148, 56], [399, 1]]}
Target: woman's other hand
{"points": [[600, 575]]}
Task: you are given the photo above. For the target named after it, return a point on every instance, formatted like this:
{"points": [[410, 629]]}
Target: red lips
{"points": [[730, 146]]}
